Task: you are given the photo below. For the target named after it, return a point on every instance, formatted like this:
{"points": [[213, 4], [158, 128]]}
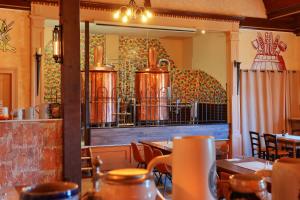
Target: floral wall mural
{"points": [[196, 85], [187, 85]]}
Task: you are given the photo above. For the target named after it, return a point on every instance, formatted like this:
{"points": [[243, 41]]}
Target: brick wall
{"points": [[30, 152]]}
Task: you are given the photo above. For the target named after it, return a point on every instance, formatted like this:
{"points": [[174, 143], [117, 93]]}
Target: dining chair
{"points": [[224, 149], [148, 154], [162, 170], [257, 149], [137, 156], [272, 148]]}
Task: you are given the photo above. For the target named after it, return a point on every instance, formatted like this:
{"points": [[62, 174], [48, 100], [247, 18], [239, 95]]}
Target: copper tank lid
{"points": [[98, 61], [153, 67]]}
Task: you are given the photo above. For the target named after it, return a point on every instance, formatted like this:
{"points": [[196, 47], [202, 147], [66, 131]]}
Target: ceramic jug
{"points": [[30, 113], [286, 179], [43, 110], [18, 114], [123, 184], [51, 191], [193, 168]]}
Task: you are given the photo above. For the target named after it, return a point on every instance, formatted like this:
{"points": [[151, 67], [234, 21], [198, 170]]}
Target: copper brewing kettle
{"points": [[153, 64]]}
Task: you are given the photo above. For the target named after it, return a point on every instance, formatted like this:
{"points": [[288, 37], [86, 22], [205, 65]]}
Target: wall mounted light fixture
{"points": [[56, 39], [38, 59]]}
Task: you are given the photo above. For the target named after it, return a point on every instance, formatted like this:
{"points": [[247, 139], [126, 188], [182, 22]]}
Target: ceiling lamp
{"points": [[133, 11]]}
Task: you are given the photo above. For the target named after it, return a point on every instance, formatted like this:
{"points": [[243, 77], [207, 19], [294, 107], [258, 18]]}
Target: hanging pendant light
{"points": [[133, 11]]}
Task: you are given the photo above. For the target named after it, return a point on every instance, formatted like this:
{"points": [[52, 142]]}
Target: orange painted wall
{"points": [[174, 48], [20, 60]]}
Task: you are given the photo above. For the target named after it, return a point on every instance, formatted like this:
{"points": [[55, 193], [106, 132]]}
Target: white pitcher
{"points": [[193, 168]]}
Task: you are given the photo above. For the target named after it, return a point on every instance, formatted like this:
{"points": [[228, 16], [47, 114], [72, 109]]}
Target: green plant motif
{"points": [[5, 37]]}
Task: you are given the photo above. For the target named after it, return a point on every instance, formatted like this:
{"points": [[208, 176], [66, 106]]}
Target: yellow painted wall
{"points": [[20, 60], [209, 55], [188, 53], [174, 47], [247, 53]]}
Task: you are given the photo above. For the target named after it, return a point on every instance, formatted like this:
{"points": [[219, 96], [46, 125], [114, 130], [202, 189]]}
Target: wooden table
{"points": [[230, 167], [166, 147], [294, 140]]}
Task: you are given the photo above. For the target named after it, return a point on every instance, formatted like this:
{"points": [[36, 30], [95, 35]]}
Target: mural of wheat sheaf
{"points": [[5, 38], [268, 52]]}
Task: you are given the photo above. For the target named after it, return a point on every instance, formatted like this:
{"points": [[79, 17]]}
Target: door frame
{"points": [[14, 85]]}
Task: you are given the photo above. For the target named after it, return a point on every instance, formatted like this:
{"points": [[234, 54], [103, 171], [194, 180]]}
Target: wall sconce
{"points": [[56, 39], [38, 58]]}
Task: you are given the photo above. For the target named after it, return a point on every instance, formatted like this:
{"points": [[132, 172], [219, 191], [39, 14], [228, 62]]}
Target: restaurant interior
{"points": [[136, 100]]}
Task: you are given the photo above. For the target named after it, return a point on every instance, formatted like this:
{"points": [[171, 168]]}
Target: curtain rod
{"points": [[264, 70]]}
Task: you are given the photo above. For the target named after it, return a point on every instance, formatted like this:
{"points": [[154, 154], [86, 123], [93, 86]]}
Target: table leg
{"points": [[295, 150]]}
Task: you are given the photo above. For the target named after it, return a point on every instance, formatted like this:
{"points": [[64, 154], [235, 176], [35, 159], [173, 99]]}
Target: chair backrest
{"points": [[271, 144], [160, 167], [136, 153], [148, 153], [224, 150], [255, 143]]}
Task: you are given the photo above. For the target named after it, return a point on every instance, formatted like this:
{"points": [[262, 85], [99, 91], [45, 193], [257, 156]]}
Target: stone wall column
{"points": [[232, 96]]}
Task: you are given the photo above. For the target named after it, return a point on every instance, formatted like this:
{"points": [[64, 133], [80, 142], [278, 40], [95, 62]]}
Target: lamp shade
{"points": [[57, 44]]}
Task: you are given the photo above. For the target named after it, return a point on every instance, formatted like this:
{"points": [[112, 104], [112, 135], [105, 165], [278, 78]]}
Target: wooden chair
{"points": [[137, 155], [256, 148], [162, 169], [224, 150], [148, 153], [272, 149]]}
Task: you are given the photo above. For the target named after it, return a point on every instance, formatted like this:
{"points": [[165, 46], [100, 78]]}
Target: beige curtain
{"points": [[293, 96], [263, 104]]}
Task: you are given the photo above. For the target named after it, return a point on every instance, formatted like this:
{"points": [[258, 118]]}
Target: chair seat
{"points": [[280, 152]]}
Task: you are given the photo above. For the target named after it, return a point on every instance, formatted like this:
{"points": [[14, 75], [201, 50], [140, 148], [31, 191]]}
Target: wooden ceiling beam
{"points": [[284, 12], [265, 24], [157, 11], [275, 5], [297, 25], [15, 4]]}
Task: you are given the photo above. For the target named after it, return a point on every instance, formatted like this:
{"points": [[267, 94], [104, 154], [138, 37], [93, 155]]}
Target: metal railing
{"points": [[153, 110]]}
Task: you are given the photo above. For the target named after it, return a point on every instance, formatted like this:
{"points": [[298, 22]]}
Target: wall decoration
{"points": [[268, 52], [196, 85], [5, 38]]}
